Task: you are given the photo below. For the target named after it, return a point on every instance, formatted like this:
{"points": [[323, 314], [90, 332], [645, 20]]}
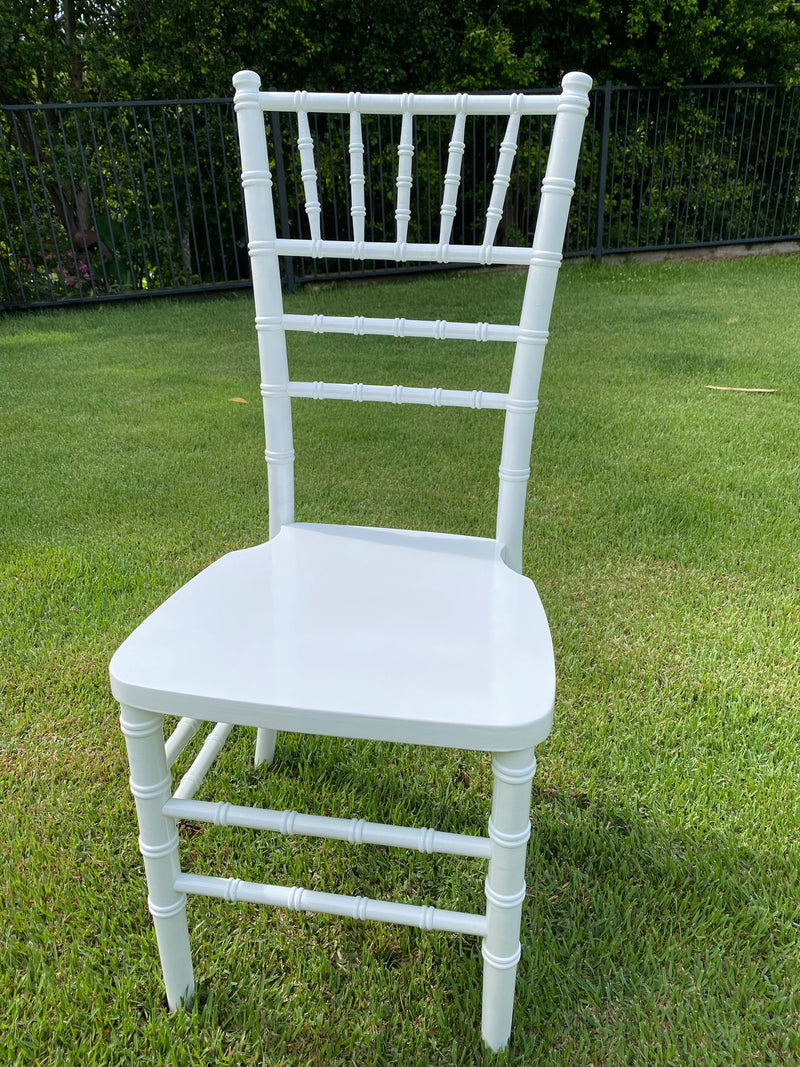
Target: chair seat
{"points": [[388, 635]]}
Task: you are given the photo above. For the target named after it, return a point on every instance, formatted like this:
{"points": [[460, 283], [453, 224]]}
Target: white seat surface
{"points": [[351, 631]]}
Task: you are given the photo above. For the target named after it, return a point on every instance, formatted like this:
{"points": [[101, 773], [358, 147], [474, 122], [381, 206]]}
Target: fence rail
{"points": [[119, 200]]}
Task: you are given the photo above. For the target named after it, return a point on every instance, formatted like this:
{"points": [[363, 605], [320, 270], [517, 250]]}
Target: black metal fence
{"points": [[101, 201], [696, 166], [108, 201]]}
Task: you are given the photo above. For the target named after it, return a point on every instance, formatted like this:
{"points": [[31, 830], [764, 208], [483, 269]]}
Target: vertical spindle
{"points": [[452, 178], [405, 152], [308, 174], [502, 178], [358, 211]]}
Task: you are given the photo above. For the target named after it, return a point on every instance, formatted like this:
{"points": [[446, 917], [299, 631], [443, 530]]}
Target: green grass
{"points": [[663, 534]]}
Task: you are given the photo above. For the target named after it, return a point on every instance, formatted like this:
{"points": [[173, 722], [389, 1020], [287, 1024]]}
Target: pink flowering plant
{"points": [[59, 273]]}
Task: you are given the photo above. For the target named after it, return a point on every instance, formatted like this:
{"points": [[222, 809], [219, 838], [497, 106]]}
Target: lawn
{"points": [[664, 536]]}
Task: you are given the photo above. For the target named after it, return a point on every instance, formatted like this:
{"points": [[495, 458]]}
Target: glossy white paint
{"points": [[354, 831], [390, 635]]}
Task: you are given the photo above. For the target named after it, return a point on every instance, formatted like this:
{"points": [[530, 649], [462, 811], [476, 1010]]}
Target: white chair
{"points": [[381, 634]]}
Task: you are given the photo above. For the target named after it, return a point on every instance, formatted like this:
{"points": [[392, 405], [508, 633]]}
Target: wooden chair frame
{"points": [[146, 702]]}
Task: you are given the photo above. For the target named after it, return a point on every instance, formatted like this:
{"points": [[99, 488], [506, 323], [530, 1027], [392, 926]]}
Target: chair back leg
{"points": [[265, 746], [509, 830], [158, 842]]}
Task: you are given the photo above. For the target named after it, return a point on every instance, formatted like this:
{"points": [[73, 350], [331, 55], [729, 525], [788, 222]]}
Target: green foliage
{"points": [[701, 165], [54, 50], [708, 41], [92, 49], [100, 201], [652, 42], [96, 50]]}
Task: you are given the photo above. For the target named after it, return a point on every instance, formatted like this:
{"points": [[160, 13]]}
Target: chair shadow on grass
{"points": [[633, 926], [630, 928]]}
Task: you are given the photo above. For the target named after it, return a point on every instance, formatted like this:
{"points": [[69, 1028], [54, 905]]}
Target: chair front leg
{"points": [[158, 842], [509, 830]]}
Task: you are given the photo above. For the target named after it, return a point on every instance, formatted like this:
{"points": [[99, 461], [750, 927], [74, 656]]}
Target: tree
{"points": [[658, 42], [54, 50]]}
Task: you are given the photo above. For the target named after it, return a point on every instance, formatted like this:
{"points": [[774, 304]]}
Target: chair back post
{"points": [[523, 393], [257, 187]]}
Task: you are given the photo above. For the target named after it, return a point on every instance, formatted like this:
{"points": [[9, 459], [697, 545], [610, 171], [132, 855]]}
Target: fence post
{"points": [[283, 203], [605, 131]]}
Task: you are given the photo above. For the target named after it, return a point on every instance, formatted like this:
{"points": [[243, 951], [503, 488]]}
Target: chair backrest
{"points": [[542, 258]]}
